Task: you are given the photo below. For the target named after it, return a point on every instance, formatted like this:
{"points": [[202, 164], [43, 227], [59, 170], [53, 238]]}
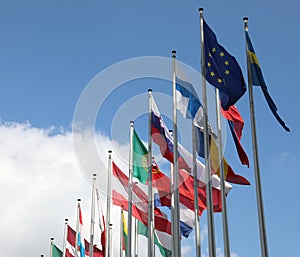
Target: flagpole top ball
{"points": [[94, 175], [131, 123], [245, 19], [200, 9], [66, 220], [109, 151], [149, 90], [173, 53], [52, 238], [78, 200]]}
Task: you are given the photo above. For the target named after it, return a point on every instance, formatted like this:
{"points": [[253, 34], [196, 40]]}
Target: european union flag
{"points": [[258, 80], [222, 70]]}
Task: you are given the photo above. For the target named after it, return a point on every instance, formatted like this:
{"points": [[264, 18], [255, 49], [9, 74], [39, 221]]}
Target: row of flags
{"points": [[196, 190]]}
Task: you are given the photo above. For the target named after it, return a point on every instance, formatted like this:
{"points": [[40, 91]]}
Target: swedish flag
{"points": [[222, 70], [258, 80]]}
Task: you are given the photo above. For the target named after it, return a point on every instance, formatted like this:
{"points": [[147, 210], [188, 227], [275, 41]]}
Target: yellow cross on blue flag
{"points": [[222, 70], [258, 80]]}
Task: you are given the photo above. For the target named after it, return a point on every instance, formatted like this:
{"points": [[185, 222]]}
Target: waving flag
{"points": [[140, 202], [161, 222], [258, 80], [162, 240], [80, 242], [222, 70], [125, 234], [101, 220], [230, 175], [56, 252], [236, 124], [96, 251], [162, 137]]}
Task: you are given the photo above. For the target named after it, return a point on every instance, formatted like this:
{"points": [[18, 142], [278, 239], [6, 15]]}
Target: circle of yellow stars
{"points": [[226, 63]]}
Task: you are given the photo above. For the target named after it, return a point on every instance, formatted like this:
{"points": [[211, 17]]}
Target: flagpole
{"points": [[108, 204], [129, 219], [77, 229], [151, 252], [210, 217], [65, 237], [121, 234], [136, 239], [259, 197], [222, 178], [92, 232], [51, 245], [174, 174], [196, 204], [110, 239]]}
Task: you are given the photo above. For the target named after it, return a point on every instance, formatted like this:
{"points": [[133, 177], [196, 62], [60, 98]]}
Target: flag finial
{"points": [[173, 53], [245, 19], [109, 151], [78, 200], [149, 90], [201, 10]]}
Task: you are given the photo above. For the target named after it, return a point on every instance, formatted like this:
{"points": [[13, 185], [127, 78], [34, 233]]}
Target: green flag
{"points": [[56, 252], [160, 242], [140, 159]]}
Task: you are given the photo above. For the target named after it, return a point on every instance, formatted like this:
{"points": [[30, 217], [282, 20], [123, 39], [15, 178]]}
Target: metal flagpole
{"points": [[259, 198], [51, 245], [121, 234], [136, 239], [77, 229], [110, 239], [196, 204], [222, 179], [92, 232], [174, 175], [65, 237], [129, 219], [151, 252], [210, 217], [108, 204]]}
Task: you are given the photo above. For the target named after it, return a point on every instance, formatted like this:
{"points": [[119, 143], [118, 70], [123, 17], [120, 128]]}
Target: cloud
{"points": [[40, 181], [186, 250]]}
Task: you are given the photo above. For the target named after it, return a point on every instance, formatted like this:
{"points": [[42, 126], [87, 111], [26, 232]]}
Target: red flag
{"points": [[236, 124], [161, 222], [71, 236], [97, 251], [68, 254]]}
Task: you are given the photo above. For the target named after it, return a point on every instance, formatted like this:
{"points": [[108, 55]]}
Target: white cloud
{"points": [[40, 181], [186, 250]]}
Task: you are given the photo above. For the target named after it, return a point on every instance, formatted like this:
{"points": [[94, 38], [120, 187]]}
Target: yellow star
{"points": [[208, 64], [226, 63], [222, 54], [214, 49], [212, 74], [219, 81], [227, 72]]}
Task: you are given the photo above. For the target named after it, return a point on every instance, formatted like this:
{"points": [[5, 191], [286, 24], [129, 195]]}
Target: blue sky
{"points": [[51, 50]]}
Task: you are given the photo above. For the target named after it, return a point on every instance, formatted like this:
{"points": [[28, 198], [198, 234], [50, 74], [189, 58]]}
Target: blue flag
{"points": [[258, 80], [222, 70]]}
